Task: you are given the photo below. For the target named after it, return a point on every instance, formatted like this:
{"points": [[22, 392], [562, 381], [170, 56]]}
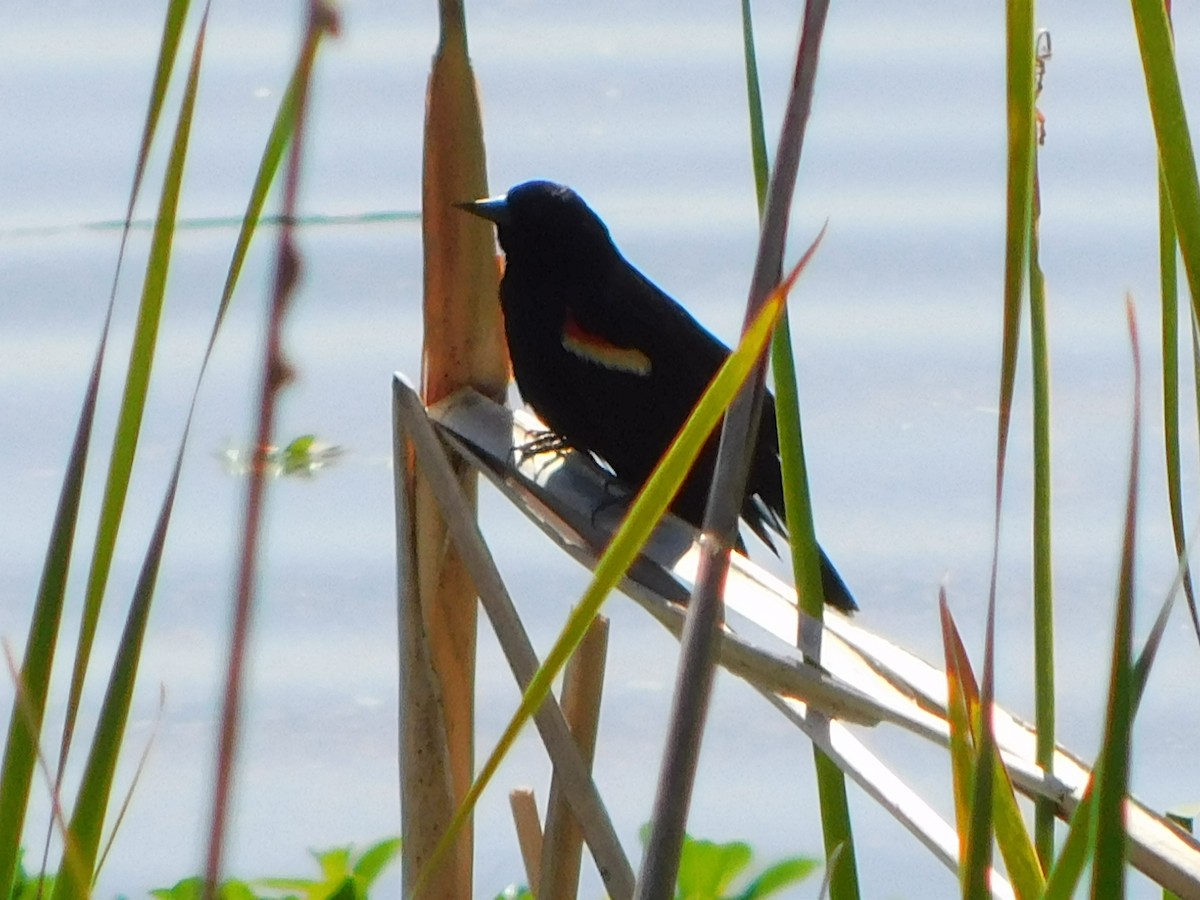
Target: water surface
{"points": [[897, 336]]}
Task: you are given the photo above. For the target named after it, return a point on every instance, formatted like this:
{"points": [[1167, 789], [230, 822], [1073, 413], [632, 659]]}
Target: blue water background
{"points": [[897, 331]]}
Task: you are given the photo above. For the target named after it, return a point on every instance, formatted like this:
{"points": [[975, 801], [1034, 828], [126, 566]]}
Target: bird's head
{"points": [[543, 222]]}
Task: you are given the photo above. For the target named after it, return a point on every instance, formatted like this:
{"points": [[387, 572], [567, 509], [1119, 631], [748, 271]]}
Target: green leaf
{"points": [[334, 863], [304, 886], [193, 889], [706, 868], [29, 888], [375, 859], [301, 446], [237, 890], [187, 889], [780, 876]]}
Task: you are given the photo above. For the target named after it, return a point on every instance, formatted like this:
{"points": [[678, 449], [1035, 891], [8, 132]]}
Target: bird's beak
{"points": [[494, 209]]}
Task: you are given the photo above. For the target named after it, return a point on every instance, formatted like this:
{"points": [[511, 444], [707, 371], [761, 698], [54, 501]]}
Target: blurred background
{"points": [[643, 110]]}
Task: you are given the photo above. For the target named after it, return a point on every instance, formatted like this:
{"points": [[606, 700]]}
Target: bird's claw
{"points": [[539, 442]]}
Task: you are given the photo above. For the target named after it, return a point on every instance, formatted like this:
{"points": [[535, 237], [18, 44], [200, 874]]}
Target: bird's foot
{"points": [[539, 442]]}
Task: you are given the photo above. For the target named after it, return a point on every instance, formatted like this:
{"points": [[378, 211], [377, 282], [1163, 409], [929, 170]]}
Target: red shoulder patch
{"points": [[595, 349]]}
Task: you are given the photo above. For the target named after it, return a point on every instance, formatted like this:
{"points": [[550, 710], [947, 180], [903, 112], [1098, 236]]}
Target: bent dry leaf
{"points": [[653, 499]]}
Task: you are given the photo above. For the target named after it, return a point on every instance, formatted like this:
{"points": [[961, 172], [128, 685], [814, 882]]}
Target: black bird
{"points": [[611, 363]]}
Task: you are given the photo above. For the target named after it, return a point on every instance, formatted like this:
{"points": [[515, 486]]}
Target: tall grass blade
{"points": [[1043, 563], [282, 129], [177, 13], [20, 887], [1080, 843], [1179, 210], [959, 685], [837, 827], [977, 855], [168, 48], [277, 142], [1016, 845], [33, 683], [965, 716], [115, 710], [140, 769], [1167, 111], [275, 374], [758, 134], [1169, 293], [17, 768], [1020, 103], [962, 704], [1020, 83], [1077, 849], [1020, 90], [76, 871], [1108, 862], [694, 677], [831, 785], [92, 802], [168, 52], [137, 377]]}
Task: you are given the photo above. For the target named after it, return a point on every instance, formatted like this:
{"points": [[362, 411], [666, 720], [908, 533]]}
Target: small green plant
{"points": [[344, 876], [303, 457], [29, 887], [707, 871]]}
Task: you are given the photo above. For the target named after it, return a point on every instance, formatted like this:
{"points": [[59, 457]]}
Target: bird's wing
{"points": [[632, 311]]}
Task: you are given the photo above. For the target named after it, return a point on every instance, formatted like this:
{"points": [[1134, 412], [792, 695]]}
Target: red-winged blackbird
{"points": [[611, 363]]}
